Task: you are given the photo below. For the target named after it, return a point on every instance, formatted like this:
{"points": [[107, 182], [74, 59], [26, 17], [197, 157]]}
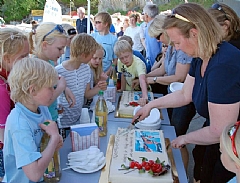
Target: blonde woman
{"points": [[209, 84], [14, 46], [32, 84], [230, 150], [50, 41]]}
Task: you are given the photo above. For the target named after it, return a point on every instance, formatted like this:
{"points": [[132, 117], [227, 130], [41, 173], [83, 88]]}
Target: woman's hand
{"points": [[179, 142], [70, 97], [142, 113], [142, 102]]}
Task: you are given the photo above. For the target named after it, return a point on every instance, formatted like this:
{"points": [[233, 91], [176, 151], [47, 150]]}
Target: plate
{"points": [[153, 118], [176, 86], [79, 170]]}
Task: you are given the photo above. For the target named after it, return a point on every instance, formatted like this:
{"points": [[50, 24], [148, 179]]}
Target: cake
{"points": [[135, 145], [129, 101]]}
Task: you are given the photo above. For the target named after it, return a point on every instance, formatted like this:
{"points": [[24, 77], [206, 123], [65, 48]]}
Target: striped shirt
{"points": [[77, 81]]}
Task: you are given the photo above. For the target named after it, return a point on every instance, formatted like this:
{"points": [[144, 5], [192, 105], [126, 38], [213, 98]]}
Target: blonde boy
{"points": [[103, 22], [77, 73], [32, 91], [131, 68]]}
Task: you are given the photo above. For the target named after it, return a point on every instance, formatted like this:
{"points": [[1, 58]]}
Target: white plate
{"points": [[153, 118], [176, 86], [79, 170]]}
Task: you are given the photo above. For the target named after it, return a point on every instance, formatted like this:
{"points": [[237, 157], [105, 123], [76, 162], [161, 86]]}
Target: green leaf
{"points": [[129, 159], [144, 159], [150, 172], [141, 171], [125, 167]]}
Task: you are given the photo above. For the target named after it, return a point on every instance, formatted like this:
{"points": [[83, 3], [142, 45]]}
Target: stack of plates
{"points": [[175, 86], [152, 122]]}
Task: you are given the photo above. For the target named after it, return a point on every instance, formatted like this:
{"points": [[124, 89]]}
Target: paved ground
{"points": [[196, 123]]}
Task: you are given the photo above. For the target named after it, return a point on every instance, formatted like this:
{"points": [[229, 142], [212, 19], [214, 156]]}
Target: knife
{"points": [[130, 127]]}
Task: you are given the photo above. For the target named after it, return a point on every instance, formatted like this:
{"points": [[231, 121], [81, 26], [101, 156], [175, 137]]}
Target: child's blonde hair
{"points": [[97, 71], [105, 18], [44, 29], [11, 42], [121, 47], [127, 38], [28, 72], [226, 143], [82, 44]]}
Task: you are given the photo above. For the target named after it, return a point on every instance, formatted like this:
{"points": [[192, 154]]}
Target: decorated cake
{"points": [[129, 101], [140, 156]]}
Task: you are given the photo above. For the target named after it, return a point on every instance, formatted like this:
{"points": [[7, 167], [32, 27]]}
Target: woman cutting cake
{"points": [[209, 84]]}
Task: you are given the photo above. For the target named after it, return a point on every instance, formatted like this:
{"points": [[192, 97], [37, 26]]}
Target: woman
{"points": [[14, 46], [229, 22], [209, 84]]}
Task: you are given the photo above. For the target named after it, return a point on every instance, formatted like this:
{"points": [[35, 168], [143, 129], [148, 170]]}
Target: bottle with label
{"points": [[113, 75], [101, 114], [53, 172]]}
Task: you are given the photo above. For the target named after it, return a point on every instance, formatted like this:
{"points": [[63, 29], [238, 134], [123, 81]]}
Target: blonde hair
{"points": [[105, 18], [229, 14], [97, 71], [11, 42], [209, 31], [28, 72], [82, 44], [122, 46], [127, 38], [42, 30], [227, 143]]}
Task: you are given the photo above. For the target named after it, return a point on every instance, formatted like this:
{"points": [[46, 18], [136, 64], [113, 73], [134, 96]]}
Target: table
{"points": [[111, 116], [74, 177]]}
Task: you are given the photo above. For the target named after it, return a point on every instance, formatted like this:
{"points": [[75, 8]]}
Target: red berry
{"points": [[151, 162], [144, 163], [132, 164], [147, 167], [139, 166]]}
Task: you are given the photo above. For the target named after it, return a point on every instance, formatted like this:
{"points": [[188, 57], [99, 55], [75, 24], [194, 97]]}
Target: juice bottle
{"points": [[53, 172], [101, 113]]}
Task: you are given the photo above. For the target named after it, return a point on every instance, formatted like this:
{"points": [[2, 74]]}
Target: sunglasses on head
{"points": [[58, 28], [180, 17], [218, 7], [71, 32], [158, 37], [232, 134]]}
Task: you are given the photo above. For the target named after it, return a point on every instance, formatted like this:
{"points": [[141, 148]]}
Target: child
{"points": [[31, 90], [71, 32], [14, 47], [131, 68], [50, 41], [230, 149], [78, 76], [103, 21], [96, 66]]}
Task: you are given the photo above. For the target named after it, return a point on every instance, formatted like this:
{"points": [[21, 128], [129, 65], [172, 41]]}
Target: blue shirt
{"points": [[81, 25], [107, 41], [112, 29], [221, 81], [22, 139], [233, 180], [65, 56], [153, 47]]}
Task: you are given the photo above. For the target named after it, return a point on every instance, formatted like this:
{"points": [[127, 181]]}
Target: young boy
{"points": [[31, 90], [131, 68], [103, 21], [77, 74]]}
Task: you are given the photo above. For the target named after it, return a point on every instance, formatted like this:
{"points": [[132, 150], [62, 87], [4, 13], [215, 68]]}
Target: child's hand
{"points": [[103, 77], [142, 102], [70, 97], [109, 71], [50, 127], [102, 85], [61, 83], [135, 83]]}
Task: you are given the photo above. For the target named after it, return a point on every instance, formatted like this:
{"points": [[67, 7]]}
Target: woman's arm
{"points": [[221, 115], [175, 99], [179, 76], [157, 72]]}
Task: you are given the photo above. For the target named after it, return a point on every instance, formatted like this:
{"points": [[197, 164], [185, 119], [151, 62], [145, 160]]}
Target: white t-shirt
{"points": [[134, 33]]}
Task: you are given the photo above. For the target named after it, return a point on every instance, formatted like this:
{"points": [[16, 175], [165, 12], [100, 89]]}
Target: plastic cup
{"points": [[85, 118]]}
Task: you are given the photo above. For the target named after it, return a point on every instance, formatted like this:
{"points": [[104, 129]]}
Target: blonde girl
{"points": [[96, 65], [50, 41]]}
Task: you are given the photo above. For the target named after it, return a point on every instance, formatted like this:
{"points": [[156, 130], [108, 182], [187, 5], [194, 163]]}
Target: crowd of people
{"points": [[60, 66]]}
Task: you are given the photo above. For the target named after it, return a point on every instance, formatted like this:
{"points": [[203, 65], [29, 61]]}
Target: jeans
{"points": [[181, 117]]}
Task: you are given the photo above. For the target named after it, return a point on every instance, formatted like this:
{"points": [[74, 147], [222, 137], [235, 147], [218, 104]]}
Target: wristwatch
{"points": [[155, 79]]}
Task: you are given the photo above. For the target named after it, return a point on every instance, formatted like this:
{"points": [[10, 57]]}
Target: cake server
{"points": [[130, 127]]}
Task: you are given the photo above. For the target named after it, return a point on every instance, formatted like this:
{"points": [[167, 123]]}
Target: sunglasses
{"points": [[98, 22], [164, 46], [180, 17], [158, 37], [217, 6], [58, 28], [232, 134]]}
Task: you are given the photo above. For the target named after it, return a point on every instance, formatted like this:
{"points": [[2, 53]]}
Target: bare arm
{"points": [[143, 85], [157, 72], [123, 82], [179, 76], [89, 93], [175, 99]]}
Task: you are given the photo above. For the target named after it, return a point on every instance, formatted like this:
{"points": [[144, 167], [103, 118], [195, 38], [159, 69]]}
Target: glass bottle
{"points": [[53, 172], [101, 113]]}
